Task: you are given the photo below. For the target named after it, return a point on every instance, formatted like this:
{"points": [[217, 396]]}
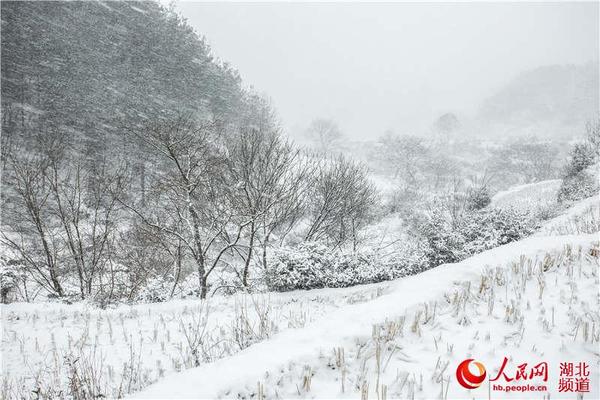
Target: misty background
{"points": [[377, 67]]}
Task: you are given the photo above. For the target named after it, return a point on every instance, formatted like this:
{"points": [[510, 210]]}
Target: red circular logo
{"points": [[466, 378]]}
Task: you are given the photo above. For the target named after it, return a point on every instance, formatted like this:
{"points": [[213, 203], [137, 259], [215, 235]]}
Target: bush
{"points": [[487, 229], [313, 265], [11, 273], [445, 244], [578, 183], [478, 199], [577, 187], [156, 290], [475, 232], [582, 156]]}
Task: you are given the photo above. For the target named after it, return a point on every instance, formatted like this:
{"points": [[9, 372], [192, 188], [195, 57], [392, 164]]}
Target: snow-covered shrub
{"points": [[478, 198], [577, 187], [580, 177], [189, 286], [486, 229], [11, 274], [159, 289], [444, 241], [350, 270], [475, 232], [304, 267], [314, 265], [544, 212], [228, 281], [582, 156], [156, 290], [406, 258]]}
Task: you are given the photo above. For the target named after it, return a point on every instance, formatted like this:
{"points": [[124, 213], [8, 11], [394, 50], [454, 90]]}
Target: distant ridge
{"points": [[556, 97]]}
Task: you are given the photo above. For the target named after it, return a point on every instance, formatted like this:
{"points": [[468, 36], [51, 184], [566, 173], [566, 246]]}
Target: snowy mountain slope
{"points": [[439, 314], [529, 196], [583, 217]]}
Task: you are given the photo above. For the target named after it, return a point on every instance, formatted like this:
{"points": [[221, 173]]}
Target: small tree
{"points": [[58, 221], [581, 157], [11, 276], [195, 196], [404, 157], [324, 133], [341, 201], [478, 198], [270, 176], [447, 123]]}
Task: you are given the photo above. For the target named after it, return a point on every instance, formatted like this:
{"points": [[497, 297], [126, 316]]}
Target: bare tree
{"points": [[405, 158], [342, 201], [324, 133], [269, 174], [87, 215], [26, 224], [195, 195], [74, 222]]}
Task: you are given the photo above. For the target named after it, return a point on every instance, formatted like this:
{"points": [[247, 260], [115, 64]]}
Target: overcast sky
{"points": [[373, 67]]}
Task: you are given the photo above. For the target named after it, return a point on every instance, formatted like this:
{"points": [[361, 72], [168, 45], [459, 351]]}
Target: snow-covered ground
{"points": [[581, 218], [531, 301], [526, 301], [129, 347], [529, 196]]}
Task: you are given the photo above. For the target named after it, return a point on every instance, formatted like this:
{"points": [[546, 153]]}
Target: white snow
{"points": [[529, 196], [584, 216], [352, 322], [37, 338]]}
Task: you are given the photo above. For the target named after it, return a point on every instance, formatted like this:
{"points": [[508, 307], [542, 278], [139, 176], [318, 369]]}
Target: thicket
{"points": [[579, 179]]}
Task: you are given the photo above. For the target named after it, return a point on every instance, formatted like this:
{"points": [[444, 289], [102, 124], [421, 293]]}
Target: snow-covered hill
{"points": [[529, 196], [582, 217]]}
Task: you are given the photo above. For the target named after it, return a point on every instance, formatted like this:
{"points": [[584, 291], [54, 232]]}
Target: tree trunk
{"points": [[50, 260], [89, 285], [249, 257], [203, 287], [177, 268]]}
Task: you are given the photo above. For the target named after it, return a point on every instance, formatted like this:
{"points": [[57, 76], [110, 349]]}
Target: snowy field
{"points": [[528, 197], [538, 304], [530, 301], [129, 347]]}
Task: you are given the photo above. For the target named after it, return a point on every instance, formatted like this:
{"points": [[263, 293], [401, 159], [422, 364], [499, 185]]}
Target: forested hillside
{"points": [[94, 68], [83, 86], [135, 165]]}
